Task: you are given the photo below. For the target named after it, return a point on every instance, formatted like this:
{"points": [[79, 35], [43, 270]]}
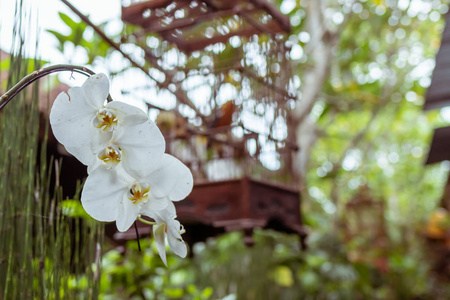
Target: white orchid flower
{"points": [[96, 132], [167, 227], [114, 195], [140, 148]]}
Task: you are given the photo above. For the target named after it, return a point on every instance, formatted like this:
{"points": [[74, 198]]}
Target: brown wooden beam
{"points": [[182, 23], [440, 145], [271, 10], [189, 46], [130, 13]]}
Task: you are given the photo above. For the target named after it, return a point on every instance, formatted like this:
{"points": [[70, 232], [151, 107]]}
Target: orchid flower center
{"points": [[139, 193], [111, 155], [105, 119]]}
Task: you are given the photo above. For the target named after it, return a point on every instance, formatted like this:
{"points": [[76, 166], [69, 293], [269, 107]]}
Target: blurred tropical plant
{"points": [[128, 273], [273, 268], [43, 253], [78, 36]]}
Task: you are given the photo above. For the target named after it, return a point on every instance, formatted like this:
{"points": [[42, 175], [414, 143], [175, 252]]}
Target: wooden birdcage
{"points": [[227, 62], [193, 25]]}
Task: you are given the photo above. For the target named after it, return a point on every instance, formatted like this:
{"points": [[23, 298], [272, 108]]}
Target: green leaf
{"points": [[60, 37], [74, 209], [207, 293], [68, 20], [174, 293]]}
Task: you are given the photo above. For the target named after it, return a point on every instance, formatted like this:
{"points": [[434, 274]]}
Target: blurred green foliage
{"points": [[142, 275], [273, 268], [94, 45]]}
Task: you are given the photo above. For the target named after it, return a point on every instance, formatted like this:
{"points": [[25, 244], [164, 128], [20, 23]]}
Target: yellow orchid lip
{"points": [[106, 119], [111, 155], [138, 193]]}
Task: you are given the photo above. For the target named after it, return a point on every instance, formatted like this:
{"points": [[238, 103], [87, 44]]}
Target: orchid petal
{"points": [[156, 203], [96, 90], [123, 174], [184, 184], [99, 140], [83, 154], [172, 179], [159, 236], [91, 167], [143, 147], [169, 212], [173, 234], [102, 194], [160, 215], [70, 119], [176, 243], [127, 214], [128, 114]]}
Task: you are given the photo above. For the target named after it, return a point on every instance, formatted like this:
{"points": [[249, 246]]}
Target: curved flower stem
{"points": [[145, 221], [30, 78]]}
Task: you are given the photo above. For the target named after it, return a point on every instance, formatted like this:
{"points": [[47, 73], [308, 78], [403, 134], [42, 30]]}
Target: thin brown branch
{"points": [[181, 96], [106, 38]]}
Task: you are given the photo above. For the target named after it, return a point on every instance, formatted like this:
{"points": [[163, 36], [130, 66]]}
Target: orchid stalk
{"points": [[29, 79]]}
